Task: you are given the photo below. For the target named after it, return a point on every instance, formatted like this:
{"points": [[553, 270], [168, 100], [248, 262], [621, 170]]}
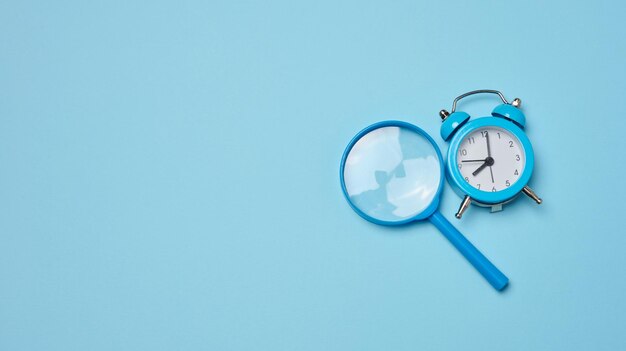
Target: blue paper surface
{"points": [[169, 176]]}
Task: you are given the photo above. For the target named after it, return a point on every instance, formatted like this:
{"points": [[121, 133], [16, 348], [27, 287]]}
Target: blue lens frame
{"points": [[435, 202]]}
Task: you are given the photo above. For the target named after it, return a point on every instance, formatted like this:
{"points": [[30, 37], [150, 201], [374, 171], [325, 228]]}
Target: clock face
{"points": [[491, 159]]}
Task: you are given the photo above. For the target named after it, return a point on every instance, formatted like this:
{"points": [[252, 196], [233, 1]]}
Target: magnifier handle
{"points": [[493, 275]]}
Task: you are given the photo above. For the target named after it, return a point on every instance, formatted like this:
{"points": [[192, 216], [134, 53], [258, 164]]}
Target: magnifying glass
{"points": [[392, 173]]}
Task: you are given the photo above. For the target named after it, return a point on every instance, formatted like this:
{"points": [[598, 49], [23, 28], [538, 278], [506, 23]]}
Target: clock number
{"points": [[484, 133], [471, 140], [508, 183], [467, 179], [516, 172], [460, 165], [498, 135], [510, 143], [464, 152], [493, 190], [478, 186], [517, 158]]}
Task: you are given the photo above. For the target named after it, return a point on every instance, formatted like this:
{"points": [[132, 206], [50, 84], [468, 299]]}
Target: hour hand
{"points": [[479, 169], [488, 162]]}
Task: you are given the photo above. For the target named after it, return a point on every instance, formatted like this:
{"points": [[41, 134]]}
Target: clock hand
{"points": [[479, 169], [488, 162], [472, 160]]}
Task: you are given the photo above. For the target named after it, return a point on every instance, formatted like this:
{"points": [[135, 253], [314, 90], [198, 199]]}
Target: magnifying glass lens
{"points": [[392, 174]]}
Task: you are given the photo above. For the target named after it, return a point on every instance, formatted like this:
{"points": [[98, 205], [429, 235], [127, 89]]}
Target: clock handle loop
{"points": [[474, 92]]}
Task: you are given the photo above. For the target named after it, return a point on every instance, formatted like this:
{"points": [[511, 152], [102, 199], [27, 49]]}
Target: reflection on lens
{"points": [[392, 173]]}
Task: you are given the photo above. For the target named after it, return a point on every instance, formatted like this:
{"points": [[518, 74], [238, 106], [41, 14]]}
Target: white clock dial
{"points": [[491, 159]]}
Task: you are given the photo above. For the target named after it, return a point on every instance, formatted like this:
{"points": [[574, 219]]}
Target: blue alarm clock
{"points": [[490, 159]]}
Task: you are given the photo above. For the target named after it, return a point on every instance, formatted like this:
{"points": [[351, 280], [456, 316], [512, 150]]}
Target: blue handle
{"points": [[498, 280]]}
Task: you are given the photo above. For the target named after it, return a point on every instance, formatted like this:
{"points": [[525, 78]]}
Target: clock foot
{"points": [[464, 205], [496, 208], [531, 194]]}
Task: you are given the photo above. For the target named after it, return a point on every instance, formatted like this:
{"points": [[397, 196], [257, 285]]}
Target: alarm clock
{"points": [[490, 159]]}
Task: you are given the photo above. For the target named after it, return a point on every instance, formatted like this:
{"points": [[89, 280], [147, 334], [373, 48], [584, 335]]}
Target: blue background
{"points": [[169, 176]]}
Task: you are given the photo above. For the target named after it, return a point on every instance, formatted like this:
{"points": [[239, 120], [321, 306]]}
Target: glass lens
{"points": [[392, 173]]}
